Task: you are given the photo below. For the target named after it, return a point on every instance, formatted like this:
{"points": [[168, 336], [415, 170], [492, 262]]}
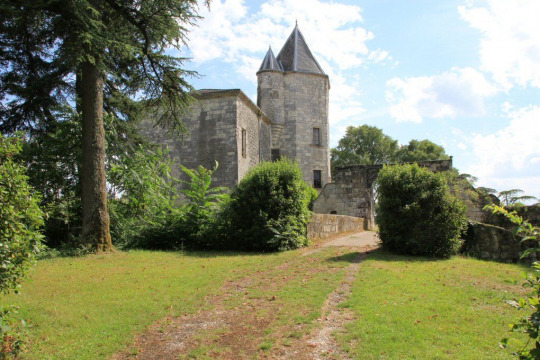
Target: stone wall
{"points": [[296, 103], [256, 130], [351, 193], [215, 126], [323, 226], [494, 240], [490, 242], [306, 107]]}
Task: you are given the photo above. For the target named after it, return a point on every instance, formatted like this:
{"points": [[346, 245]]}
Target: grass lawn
{"points": [[417, 308], [404, 307]]}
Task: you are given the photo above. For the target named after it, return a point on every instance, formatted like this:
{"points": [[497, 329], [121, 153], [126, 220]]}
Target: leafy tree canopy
{"points": [[368, 145], [365, 145], [43, 44], [423, 150], [513, 197]]}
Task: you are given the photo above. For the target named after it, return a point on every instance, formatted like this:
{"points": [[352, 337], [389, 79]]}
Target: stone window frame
{"points": [[317, 179], [244, 143]]}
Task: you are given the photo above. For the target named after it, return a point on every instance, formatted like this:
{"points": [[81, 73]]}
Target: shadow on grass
{"points": [[384, 255]]}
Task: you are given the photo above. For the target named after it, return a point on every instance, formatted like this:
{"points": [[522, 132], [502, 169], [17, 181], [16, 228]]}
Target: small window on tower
{"points": [[317, 179], [244, 144], [316, 136]]}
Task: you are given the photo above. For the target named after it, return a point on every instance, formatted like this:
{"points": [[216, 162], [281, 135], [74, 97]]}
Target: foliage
{"points": [[530, 324], [12, 338], [268, 210], [368, 145], [44, 44], [514, 197], [203, 203], [423, 150], [141, 189], [143, 201], [416, 213], [311, 195], [96, 55], [20, 239], [365, 145]]}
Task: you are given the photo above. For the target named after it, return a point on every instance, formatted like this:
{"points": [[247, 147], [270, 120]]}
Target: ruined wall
{"points": [[351, 192], [323, 226], [495, 240], [490, 242]]}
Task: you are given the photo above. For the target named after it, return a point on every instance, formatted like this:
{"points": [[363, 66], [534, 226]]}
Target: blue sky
{"points": [[462, 73]]}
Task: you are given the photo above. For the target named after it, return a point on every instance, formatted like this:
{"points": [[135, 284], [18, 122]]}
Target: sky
{"points": [[464, 74]]}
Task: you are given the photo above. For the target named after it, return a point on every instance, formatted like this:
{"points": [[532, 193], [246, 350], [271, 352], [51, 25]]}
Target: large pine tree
{"points": [[96, 56]]}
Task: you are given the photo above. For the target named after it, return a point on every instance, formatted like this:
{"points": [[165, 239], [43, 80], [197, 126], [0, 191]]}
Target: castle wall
{"points": [[215, 124], [258, 137], [352, 193], [270, 98]]}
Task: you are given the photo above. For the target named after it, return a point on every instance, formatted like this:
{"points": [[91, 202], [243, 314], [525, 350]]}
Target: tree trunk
{"points": [[95, 221]]}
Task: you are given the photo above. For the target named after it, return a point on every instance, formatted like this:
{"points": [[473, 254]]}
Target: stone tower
{"points": [[293, 92]]}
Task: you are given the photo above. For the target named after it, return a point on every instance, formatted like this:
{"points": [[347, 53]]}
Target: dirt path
{"points": [[235, 322]]}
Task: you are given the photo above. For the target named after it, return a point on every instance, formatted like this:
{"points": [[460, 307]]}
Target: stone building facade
{"points": [[225, 126], [290, 120]]}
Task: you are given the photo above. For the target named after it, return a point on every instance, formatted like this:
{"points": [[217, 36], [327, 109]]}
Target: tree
{"points": [[365, 145], [99, 55], [513, 197], [423, 150], [368, 145]]}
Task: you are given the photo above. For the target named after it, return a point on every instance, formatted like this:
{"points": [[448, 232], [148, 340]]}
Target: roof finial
{"points": [[296, 22]]}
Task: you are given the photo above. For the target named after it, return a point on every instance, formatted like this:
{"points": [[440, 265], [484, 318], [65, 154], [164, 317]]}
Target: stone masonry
{"points": [[351, 192], [217, 123], [227, 127], [294, 92]]}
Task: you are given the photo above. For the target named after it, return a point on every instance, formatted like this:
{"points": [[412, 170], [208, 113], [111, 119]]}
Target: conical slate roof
{"points": [[270, 62], [296, 56]]}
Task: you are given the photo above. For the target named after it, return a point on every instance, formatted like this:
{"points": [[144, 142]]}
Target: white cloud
{"points": [[460, 91], [509, 158], [510, 39], [230, 33]]}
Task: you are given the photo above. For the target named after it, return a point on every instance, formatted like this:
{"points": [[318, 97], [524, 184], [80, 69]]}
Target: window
{"points": [[316, 136], [317, 179], [244, 147], [275, 155]]}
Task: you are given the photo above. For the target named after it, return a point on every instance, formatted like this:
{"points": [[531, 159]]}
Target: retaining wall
{"points": [[323, 226]]}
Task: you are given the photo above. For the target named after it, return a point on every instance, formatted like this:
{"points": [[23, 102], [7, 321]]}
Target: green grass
{"points": [[405, 307], [416, 308], [91, 307]]}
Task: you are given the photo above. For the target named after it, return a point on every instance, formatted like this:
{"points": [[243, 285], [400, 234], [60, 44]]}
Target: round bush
{"points": [[268, 211], [416, 213]]}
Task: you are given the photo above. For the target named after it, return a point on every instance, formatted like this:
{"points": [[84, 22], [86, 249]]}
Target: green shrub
{"points": [[311, 195], [530, 322], [268, 210], [416, 213], [20, 239]]}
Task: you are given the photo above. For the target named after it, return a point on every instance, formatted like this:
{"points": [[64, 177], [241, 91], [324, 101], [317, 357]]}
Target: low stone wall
{"points": [[323, 226], [489, 242]]}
